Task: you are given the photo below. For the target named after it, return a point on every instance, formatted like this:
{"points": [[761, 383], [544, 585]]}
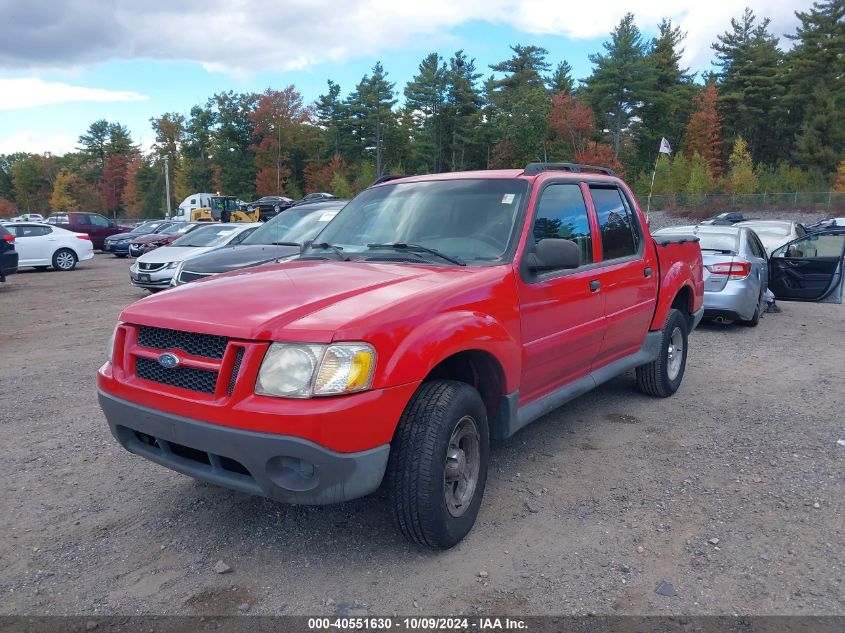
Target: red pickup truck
{"points": [[431, 314]]}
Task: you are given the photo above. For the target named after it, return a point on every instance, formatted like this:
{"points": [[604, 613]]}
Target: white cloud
{"points": [[29, 92], [244, 36], [35, 142]]}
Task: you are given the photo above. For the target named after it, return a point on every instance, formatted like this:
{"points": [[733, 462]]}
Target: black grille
{"points": [[205, 345], [233, 379], [189, 378], [186, 276], [149, 267]]}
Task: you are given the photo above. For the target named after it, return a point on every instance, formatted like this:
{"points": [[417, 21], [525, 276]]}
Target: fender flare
{"points": [[678, 276], [446, 335]]}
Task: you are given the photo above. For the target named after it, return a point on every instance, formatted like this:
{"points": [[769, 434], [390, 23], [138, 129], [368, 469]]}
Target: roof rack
{"points": [[532, 169], [386, 178]]}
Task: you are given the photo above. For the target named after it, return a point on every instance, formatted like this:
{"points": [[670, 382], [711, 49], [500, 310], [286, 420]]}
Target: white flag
{"points": [[665, 148]]}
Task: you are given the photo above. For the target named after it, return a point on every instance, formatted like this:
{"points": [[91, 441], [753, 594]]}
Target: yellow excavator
{"points": [[223, 209]]}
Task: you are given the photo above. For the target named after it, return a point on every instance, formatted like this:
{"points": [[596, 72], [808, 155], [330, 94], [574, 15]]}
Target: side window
{"points": [[98, 220], [562, 214], [618, 232], [33, 231], [755, 246], [812, 246]]}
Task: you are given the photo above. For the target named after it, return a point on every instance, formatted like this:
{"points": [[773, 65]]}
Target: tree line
{"points": [[764, 120]]}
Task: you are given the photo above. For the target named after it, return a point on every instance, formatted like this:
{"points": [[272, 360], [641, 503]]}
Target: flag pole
{"points": [[653, 173]]}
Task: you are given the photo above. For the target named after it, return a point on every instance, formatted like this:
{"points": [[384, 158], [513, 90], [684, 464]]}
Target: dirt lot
{"points": [[732, 491]]}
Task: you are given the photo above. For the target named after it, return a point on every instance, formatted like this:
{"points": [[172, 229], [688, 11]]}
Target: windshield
{"points": [[471, 220], [213, 235], [769, 230], [296, 225], [177, 228], [147, 227]]}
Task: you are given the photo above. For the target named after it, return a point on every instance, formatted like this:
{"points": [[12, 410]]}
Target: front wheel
{"points": [[438, 464], [663, 376], [64, 259]]}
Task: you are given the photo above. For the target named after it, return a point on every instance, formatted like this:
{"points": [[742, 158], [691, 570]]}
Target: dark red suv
{"points": [[98, 227]]}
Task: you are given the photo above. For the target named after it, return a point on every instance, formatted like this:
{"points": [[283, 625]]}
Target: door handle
{"points": [[647, 272], [595, 284]]}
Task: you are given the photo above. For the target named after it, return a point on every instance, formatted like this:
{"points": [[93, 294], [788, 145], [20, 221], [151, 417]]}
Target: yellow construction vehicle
{"points": [[223, 209]]}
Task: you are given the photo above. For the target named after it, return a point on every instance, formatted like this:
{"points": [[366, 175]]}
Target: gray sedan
{"points": [[736, 271]]}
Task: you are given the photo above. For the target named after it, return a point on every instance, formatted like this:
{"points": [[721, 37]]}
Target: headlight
{"points": [[110, 345], [177, 272], [172, 265], [294, 370]]}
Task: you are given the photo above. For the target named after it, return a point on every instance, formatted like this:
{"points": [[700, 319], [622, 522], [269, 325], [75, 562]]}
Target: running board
{"points": [[512, 418]]}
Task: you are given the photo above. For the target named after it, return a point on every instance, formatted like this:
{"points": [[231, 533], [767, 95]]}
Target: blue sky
{"points": [[68, 65]]}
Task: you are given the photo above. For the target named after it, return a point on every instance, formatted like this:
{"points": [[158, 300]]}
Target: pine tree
{"points": [[816, 81], [561, 80], [462, 111], [332, 115], [197, 150], [371, 107], [425, 97], [518, 104], [751, 86], [233, 153], [622, 79], [95, 143], [667, 104]]}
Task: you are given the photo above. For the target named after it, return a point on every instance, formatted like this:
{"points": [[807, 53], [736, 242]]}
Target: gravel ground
{"points": [[731, 492]]}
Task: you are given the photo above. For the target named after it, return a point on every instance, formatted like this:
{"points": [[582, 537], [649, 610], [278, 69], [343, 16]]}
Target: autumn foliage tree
{"points": [[704, 130], [570, 124], [322, 176], [62, 197], [278, 122]]}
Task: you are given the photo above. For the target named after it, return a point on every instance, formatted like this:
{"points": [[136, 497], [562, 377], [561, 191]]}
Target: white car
{"points": [[41, 245], [155, 269], [774, 233]]}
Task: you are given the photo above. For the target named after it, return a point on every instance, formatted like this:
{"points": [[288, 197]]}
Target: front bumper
{"points": [[153, 279], [282, 467], [117, 248]]}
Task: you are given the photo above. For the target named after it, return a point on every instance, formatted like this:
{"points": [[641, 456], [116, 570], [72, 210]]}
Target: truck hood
{"points": [[228, 258], [313, 301]]}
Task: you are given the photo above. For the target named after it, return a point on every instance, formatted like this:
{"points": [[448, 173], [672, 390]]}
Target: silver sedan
{"points": [[736, 271]]}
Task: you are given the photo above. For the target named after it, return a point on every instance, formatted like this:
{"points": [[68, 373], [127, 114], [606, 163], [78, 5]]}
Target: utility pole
{"points": [[167, 183]]}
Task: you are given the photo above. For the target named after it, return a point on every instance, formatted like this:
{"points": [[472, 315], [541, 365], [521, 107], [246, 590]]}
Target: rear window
{"points": [[719, 241]]}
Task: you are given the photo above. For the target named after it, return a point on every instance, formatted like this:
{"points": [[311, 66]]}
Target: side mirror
{"points": [[554, 254]]}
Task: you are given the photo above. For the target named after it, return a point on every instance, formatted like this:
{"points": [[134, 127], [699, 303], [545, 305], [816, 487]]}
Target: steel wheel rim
{"points": [[64, 260], [463, 463], [675, 353]]}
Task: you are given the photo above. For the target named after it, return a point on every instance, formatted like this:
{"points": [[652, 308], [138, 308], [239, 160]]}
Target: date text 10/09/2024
{"points": [[417, 623]]}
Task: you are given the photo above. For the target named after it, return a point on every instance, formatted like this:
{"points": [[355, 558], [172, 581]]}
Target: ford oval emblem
{"points": [[168, 360]]}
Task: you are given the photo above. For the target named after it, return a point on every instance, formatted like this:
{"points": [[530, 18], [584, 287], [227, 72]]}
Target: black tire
{"points": [[417, 468], [64, 259], [661, 377], [754, 320]]}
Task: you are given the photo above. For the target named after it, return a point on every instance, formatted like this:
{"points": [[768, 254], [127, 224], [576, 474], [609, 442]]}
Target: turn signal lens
{"points": [[346, 367]]}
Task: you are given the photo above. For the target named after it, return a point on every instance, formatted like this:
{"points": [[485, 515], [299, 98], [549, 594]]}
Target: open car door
{"points": [[809, 268]]}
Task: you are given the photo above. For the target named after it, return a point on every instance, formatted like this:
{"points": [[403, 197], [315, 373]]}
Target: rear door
{"points": [[809, 268], [627, 274]]}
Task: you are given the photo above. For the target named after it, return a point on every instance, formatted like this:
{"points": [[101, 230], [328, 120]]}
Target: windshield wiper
{"points": [[418, 248], [285, 244], [337, 250]]}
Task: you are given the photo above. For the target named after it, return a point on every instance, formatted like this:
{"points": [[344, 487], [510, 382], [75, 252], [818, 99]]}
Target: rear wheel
{"points": [[64, 259], [438, 464], [755, 319], [663, 376]]}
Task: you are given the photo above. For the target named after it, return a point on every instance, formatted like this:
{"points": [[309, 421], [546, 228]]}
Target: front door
{"points": [[35, 244], [562, 311], [809, 268]]}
